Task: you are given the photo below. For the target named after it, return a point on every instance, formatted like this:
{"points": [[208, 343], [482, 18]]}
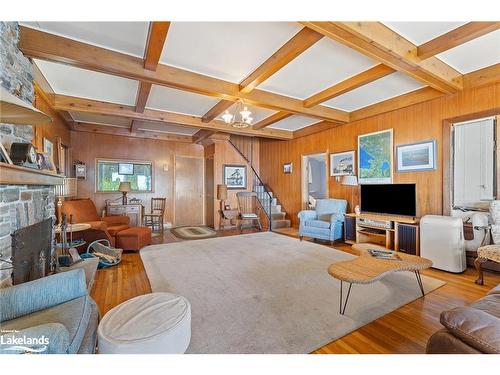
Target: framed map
{"points": [[375, 157]]}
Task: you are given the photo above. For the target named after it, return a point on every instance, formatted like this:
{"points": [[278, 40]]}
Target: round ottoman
{"points": [[156, 323]]}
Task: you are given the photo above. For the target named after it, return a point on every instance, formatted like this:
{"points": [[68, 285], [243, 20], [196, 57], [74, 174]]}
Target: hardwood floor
{"points": [[405, 330]]}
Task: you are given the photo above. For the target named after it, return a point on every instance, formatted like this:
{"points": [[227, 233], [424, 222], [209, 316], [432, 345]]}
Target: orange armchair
{"points": [[84, 211]]}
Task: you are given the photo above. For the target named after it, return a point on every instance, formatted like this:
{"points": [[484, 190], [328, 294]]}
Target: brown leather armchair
{"points": [[84, 211], [470, 329]]}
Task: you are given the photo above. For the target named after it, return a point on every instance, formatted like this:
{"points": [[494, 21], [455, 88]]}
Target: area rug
{"points": [[269, 293], [193, 232]]}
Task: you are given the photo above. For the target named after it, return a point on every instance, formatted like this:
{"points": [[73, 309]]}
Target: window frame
{"points": [[124, 161]]}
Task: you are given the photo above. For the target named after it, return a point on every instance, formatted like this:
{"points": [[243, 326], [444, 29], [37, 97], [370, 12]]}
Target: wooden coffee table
{"points": [[366, 269]]}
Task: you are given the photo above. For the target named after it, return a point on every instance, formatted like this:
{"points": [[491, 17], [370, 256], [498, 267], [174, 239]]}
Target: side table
{"points": [[227, 217]]}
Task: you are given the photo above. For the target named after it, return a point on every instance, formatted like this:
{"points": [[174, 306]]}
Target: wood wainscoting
{"points": [[418, 122]]}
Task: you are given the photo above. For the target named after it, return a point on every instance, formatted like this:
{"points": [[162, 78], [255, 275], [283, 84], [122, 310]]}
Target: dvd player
{"points": [[386, 224]]}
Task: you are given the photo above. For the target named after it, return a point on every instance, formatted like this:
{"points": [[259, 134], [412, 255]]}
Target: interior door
{"points": [[209, 192], [189, 187]]}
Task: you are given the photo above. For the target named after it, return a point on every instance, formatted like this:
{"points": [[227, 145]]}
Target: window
{"points": [[109, 174], [474, 166]]}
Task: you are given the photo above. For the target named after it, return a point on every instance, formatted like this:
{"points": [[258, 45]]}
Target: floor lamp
{"points": [[350, 180], [67, 189]]}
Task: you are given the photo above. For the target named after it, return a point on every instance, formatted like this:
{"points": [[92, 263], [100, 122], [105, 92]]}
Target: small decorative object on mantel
{"points": [[416, 157], [235, 176], [288, 168], [24, 154]]}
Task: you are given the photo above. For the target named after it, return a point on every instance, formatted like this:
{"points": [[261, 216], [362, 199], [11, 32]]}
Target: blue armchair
{"points": [[54, 315], [325, 222]]}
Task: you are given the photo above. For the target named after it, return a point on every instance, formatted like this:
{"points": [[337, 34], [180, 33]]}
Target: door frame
{"points": [[304, 196]]}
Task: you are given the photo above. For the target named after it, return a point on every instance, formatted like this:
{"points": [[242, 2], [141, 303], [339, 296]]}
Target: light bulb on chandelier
{"points": [[242, 117]]}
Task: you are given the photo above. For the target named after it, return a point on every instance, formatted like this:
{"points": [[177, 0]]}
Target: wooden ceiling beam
{"points": [[314, 128], [142, 96], [300, 42], [481, 77], [157, 35], [202, 134], [349, 84], [405, 100], [74, 104], [216, 110], [45, 46], [377, 41], [278, 116], [456, 37]]}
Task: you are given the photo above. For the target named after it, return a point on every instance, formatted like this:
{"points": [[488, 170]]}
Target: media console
{"points": [[398, 233]]}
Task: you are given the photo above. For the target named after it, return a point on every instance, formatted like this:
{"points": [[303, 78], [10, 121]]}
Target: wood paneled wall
{"points": [[416, 123], [57, 129], [88, 147]]}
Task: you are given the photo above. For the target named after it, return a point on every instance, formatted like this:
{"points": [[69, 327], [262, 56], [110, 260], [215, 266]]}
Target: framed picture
{"points": [[126, 169], [375, 157], [235, 176], [342, 164], [4, 155], [288, 168], [416, 157], [48, 148]]}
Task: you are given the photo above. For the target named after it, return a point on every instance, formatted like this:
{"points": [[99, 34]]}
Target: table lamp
{"points": [[67, 189], [124, 188], [350, 180], [222, 195]]}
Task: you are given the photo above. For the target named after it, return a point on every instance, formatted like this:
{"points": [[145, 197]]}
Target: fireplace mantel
{"points": [[16, 175]]}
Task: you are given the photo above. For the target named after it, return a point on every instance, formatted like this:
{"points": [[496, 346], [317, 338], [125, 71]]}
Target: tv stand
{"points": [[399, 233]]}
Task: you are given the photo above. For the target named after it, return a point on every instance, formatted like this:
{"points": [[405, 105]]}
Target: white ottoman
{"points": [[156, 323]]}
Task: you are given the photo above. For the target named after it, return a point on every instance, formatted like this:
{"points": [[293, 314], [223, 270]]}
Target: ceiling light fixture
{"points": [[242, 117]]}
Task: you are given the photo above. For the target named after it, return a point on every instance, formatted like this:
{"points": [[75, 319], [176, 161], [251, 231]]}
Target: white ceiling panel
{"points": [[166, 128], [258, 113], [172, 100], [126, 37], [476, 54], [93, 118], [294, 123], [67, 80], [226, 50], [421, 32], [384, 88], [321, 66]]}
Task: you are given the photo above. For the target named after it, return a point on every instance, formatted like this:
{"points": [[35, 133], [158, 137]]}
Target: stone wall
{"points": [[16, 75], [20, 205]]}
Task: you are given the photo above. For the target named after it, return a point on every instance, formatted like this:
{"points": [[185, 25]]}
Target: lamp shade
{"points": [[350, 180], [124, 187], [14, 111], [222, 192], [67, 189]]}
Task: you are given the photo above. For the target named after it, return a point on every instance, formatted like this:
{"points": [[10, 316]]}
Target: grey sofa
{"points": [[51, 315]]}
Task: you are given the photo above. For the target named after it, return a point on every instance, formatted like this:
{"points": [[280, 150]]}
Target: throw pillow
{"points": [[495, 211], [495, 234], [325, 217]]}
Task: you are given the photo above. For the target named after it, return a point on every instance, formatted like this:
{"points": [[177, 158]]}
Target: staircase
{"points": [[269, 202]]}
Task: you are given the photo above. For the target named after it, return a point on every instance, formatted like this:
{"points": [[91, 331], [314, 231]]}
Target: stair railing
{"points": [[263, 194]]}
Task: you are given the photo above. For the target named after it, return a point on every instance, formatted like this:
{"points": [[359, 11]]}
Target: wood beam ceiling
{"points": [[157, 35], [202, 134], [74, 104], [456, 37], [299, 43], [381, 43], [278, 116], [349, 84], [482, 77], [41, 45], [315, 128]]}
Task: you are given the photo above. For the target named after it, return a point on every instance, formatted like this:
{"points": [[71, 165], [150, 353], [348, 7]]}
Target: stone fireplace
{"points": [[26, 196]]}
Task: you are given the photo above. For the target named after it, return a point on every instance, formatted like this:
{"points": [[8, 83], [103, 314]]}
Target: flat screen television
{"points": [[391, 199]]}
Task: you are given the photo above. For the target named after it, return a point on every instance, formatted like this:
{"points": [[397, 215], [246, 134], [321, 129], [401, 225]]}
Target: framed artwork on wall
{"points": [[48, 148], [416, 157], [235, 176], [342, 164], [288, 168], [375, 157], [126, 168]]}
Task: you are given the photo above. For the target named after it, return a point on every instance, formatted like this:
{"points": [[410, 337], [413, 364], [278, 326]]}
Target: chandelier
{"points": [[241, 118]]}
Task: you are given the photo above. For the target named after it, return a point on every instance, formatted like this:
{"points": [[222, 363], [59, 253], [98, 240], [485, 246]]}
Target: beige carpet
{"points": [[268, 293]]}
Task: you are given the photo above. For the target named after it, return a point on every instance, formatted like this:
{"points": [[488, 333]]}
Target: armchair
{"points": [[84, 211], [325, 222], [56, 309]]}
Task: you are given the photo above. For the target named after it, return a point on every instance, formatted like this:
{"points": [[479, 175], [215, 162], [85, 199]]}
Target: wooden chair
{"points": [[249, 209], [155, 218]]}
